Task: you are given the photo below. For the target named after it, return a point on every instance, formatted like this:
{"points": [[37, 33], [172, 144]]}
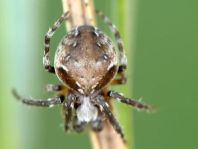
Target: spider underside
{"points": [[86, 63]]}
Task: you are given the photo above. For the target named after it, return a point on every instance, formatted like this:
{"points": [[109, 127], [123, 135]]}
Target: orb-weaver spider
{"points": [[86, 63]]}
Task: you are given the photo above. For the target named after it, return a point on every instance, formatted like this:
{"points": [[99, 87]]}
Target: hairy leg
{"points": [[50, 102], [100, 101], [54, 88], [118, 38], [139, 105], [48, 36], [67, 112], [123, 61]]}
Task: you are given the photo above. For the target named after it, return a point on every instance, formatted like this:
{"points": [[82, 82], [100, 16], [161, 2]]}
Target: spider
{"points": [[86, 63]]}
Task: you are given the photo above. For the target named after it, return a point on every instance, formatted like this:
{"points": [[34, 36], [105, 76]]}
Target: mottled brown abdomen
{"points": [[86, 60]]}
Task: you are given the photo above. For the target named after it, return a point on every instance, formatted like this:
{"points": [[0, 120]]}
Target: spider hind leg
{"points": [[48, 36]]}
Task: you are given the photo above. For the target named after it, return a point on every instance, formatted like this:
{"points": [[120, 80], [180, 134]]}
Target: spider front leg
{"points": [[141, 106], [48, 36], [50, 102], [100, 101]]}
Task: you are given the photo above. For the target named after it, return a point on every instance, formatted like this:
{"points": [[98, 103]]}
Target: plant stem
{"points": [[82, 12]]}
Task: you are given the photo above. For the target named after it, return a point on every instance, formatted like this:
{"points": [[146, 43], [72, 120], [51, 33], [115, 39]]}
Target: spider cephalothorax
{"points": [[86, 63]]}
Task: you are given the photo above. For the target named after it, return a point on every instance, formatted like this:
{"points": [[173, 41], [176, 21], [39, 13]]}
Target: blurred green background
{"points": [[161, 38]]}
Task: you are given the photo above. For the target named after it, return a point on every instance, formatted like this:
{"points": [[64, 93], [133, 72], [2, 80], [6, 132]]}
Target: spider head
{"points": [[86, 60]]}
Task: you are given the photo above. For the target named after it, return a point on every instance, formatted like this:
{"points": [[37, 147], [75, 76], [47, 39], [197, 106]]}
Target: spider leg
{"points": [[48, 36], [50, 102], [128, 101], [67, 112], [54, 87], [122, 77], [113, 28], [101, 102]]}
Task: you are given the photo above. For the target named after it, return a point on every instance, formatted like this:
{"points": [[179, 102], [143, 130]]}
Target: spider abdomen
{"points": [[86, 60]]}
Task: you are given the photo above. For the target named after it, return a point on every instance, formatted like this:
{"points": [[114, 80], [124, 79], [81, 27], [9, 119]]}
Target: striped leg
{"points": [[128, 101], [116, 33], [48, 36], [100, 101], [50, 102], [54, 88], [67, 112], [123, 60]]}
